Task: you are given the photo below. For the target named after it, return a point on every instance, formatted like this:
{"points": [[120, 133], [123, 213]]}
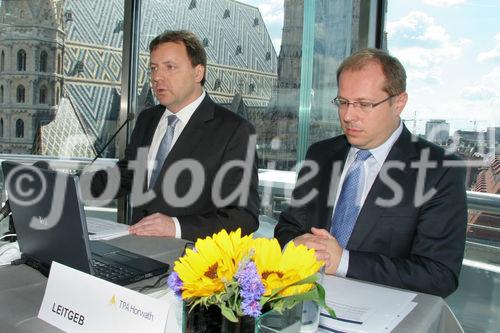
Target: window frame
{"points": [[21, 60]]}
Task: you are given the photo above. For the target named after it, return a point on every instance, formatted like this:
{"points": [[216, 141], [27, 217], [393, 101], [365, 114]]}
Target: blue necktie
{"points": [[348, 203], [163, 149]]}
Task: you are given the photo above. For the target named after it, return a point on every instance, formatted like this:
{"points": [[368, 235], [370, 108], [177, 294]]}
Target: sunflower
{"points": [[198, 271], [234, 247], [280, 269], [205, 270]]}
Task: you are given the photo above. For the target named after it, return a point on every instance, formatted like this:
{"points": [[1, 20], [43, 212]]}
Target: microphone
{"points": [[5, 210], [130, 116]]}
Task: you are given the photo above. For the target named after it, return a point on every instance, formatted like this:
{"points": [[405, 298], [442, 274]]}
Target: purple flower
{"points": [[251, 288], [175, 283], [251, 307]]}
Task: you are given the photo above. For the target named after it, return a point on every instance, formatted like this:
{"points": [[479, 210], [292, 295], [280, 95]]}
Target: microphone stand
{"points": [[130, 117]]}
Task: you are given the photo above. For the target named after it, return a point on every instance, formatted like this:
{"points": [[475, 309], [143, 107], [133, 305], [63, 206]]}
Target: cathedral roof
{"points": [[66, 135]]}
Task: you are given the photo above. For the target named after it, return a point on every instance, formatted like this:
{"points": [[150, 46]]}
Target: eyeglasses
{"points": [[367, 107]]}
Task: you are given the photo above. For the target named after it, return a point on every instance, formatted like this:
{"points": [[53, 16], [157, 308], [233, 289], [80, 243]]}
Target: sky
{"points": [[272, 14], [451, 51]]}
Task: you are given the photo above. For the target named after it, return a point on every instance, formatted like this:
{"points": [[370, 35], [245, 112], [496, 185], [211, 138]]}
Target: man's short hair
{"points": [[195, 50], [392, 68]]}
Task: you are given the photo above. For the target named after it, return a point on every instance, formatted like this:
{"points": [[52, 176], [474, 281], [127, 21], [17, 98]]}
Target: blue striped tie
{"points": [[348, 204], [163, 149]]}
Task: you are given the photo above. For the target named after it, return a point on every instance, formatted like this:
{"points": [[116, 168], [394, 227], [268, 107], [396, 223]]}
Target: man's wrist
{"points": [[343, 264]]}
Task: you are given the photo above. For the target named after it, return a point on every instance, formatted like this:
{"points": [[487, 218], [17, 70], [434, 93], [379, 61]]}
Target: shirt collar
{"points": [[380, 153], [186, 112]]}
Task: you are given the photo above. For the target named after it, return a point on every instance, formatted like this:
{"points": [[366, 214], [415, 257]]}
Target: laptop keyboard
{"points": [[111, 272]]}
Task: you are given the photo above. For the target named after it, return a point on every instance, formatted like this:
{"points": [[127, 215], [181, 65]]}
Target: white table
{"points": [[22, 289]]}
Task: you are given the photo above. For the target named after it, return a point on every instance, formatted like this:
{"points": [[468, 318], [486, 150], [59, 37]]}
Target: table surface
{"points": [[22, 289]]}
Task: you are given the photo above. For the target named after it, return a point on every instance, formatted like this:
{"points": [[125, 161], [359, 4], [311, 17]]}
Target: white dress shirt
{"points": [[184, 115], [371, 167]]}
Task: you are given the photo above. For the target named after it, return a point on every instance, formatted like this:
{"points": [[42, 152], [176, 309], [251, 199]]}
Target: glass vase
{"points": [[205, 320]]}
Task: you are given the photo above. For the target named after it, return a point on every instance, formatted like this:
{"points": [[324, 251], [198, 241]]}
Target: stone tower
{"points": [[31, 69], [290, 55]]}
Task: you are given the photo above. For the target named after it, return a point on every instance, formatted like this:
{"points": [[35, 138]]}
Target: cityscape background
{"points": [[60, 88]]}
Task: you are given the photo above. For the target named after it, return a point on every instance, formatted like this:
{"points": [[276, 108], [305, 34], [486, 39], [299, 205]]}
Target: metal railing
{"points": [[485, 202]]}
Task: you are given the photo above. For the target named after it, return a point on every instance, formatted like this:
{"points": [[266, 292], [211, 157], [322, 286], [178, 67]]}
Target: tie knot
{"points": [[172, 120], [363, 155]]}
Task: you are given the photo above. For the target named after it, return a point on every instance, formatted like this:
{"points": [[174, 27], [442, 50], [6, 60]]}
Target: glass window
{"points": [[59, 64], [256, 58], [1, 94], [21, 60], [242, 71], [2, 61], [43, 61], [65, 110], [43, 95], [19, 128], [451, 52], [452, 71], [1, 127], [20, 94]]}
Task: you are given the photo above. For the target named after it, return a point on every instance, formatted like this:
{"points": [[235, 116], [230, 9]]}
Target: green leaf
{"points": [[228, 313], [322, 302], [311, 295], [289, 303], [310, 279], [316, 294], [279, 306]]}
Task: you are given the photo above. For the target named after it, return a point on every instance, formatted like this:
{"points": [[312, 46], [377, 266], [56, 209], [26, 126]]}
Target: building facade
{"points": [[437, 131], [32, 40]]}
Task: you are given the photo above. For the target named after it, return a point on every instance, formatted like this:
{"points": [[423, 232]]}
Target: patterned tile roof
{"points": [[243, 27], [66, 135]]}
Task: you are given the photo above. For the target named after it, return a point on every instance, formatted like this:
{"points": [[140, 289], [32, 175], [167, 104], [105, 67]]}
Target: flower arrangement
{"points": [[242, 275]]}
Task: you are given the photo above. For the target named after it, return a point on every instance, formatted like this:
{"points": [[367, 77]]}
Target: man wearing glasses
{"points": [[377, 203]]}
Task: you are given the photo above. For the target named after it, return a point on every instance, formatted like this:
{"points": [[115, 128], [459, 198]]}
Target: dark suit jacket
{"points": [[417, 246], [213, 136]]}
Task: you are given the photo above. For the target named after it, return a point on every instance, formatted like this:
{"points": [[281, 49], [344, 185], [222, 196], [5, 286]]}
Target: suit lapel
{"points": [[403, 150], [328, 188], [155, 116], [155, 119]]}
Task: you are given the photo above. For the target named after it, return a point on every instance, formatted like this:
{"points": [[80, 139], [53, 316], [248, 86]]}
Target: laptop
{"points": [[50, 224]]}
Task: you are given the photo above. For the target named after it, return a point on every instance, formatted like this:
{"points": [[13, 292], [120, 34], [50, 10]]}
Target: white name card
{"points": [[78, 302]]}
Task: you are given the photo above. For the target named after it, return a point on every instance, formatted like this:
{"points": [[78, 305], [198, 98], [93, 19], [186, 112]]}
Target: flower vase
{"points": [[210, 320], [288, 321], [205, 320]]}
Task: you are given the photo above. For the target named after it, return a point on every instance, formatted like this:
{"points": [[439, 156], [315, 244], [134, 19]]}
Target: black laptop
{"points": [[50, 224]]}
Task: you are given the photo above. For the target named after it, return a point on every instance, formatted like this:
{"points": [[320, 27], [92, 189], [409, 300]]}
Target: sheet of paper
{"points": [[399, 317], [362, 307], [105, 229]]}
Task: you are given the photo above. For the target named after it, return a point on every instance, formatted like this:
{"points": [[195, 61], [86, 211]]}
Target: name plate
{"points": [[78, 302]]}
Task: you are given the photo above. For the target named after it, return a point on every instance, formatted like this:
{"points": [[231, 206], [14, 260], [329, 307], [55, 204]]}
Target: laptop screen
{"points": [[48, 215]]}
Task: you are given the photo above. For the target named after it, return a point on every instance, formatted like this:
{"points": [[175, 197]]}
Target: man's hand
{"points": [[310, 241], [331, 247], [156, 224], [315, 241]]}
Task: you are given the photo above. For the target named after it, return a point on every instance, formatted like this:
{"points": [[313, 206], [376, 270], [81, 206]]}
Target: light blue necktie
{"points": [[163, 149], [348, 204]]}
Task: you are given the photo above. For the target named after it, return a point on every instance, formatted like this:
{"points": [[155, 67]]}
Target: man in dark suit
{"points": [[376, 203], [201, 174]]}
